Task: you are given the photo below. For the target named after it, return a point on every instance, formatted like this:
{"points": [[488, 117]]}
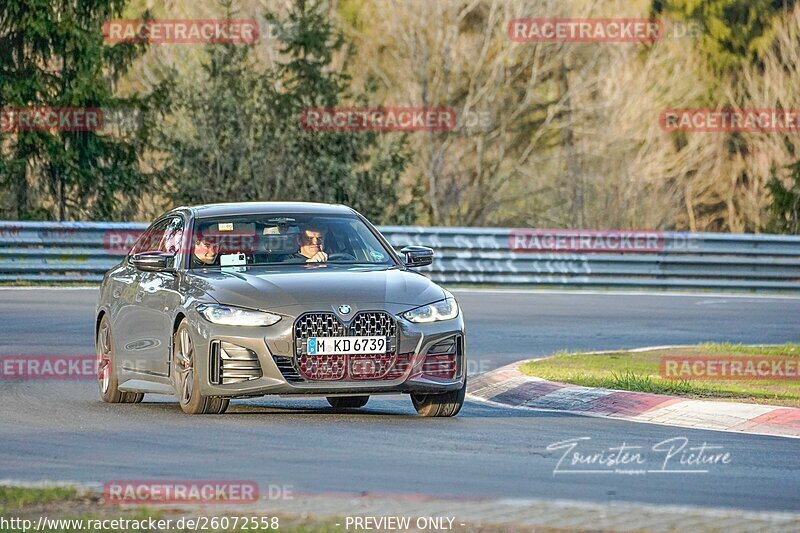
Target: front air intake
{"points": [[231, 363], [442, 359]]}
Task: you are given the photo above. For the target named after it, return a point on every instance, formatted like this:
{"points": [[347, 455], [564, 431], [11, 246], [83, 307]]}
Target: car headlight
{"points": [[236, 316], [446, 309]]}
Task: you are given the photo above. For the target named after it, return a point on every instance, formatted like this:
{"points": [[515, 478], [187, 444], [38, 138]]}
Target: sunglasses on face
{"points": [[308, 240]]}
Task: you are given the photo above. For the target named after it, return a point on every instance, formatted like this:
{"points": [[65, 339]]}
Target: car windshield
{"points": [[284, 239]]}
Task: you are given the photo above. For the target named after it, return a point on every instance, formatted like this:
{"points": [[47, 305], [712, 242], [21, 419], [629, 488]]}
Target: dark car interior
{"points": [[276, 240]]}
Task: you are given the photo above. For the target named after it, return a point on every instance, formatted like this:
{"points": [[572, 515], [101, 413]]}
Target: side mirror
{"points": [[153, 261], [417, 256]]}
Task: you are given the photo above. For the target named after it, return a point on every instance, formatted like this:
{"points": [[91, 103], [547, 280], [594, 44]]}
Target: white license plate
{"points": [[345, 345]]}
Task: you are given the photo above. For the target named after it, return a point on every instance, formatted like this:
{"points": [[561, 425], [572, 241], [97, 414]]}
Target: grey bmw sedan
{"points": [[226, 301]]}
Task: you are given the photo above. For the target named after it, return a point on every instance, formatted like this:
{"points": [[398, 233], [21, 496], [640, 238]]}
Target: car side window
{"points": [[172, 241], [150, 241]]}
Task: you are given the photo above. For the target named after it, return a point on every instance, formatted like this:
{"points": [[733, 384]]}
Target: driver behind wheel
{"points": [[205, 251], [311, 242]]}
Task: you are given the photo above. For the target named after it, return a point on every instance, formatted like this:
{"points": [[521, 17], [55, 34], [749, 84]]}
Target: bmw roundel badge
{"points": [[344, 309]]}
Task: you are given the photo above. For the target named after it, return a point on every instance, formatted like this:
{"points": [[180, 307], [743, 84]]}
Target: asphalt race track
{"points": [[59, 430]]}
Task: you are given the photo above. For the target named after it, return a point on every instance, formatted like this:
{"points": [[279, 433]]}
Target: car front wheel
{"points": [[186, 379], [446, 404]]}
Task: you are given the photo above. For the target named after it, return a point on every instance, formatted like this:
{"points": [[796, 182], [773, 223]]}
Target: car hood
{"points": [[318, 285]]}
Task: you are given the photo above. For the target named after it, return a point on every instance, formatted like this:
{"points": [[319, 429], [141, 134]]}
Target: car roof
{"points": [[250, 208]]}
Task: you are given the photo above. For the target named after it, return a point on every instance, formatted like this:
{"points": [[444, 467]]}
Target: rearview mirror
{"points": [[153, 261], [417, 256]]}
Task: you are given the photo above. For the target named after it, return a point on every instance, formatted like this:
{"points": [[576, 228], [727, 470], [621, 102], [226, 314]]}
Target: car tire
{"points": [[107, 370], [347, 402], [186, 379], [440, 405]]}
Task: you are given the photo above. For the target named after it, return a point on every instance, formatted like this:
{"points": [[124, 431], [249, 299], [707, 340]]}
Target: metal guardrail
{"points": [[83, 251]]}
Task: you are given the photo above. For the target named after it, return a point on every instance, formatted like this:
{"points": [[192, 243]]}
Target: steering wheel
{"points": [[341, 256]]}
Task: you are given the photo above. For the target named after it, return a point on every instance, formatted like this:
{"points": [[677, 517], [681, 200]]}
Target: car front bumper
{"points": [[275, 350]]}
